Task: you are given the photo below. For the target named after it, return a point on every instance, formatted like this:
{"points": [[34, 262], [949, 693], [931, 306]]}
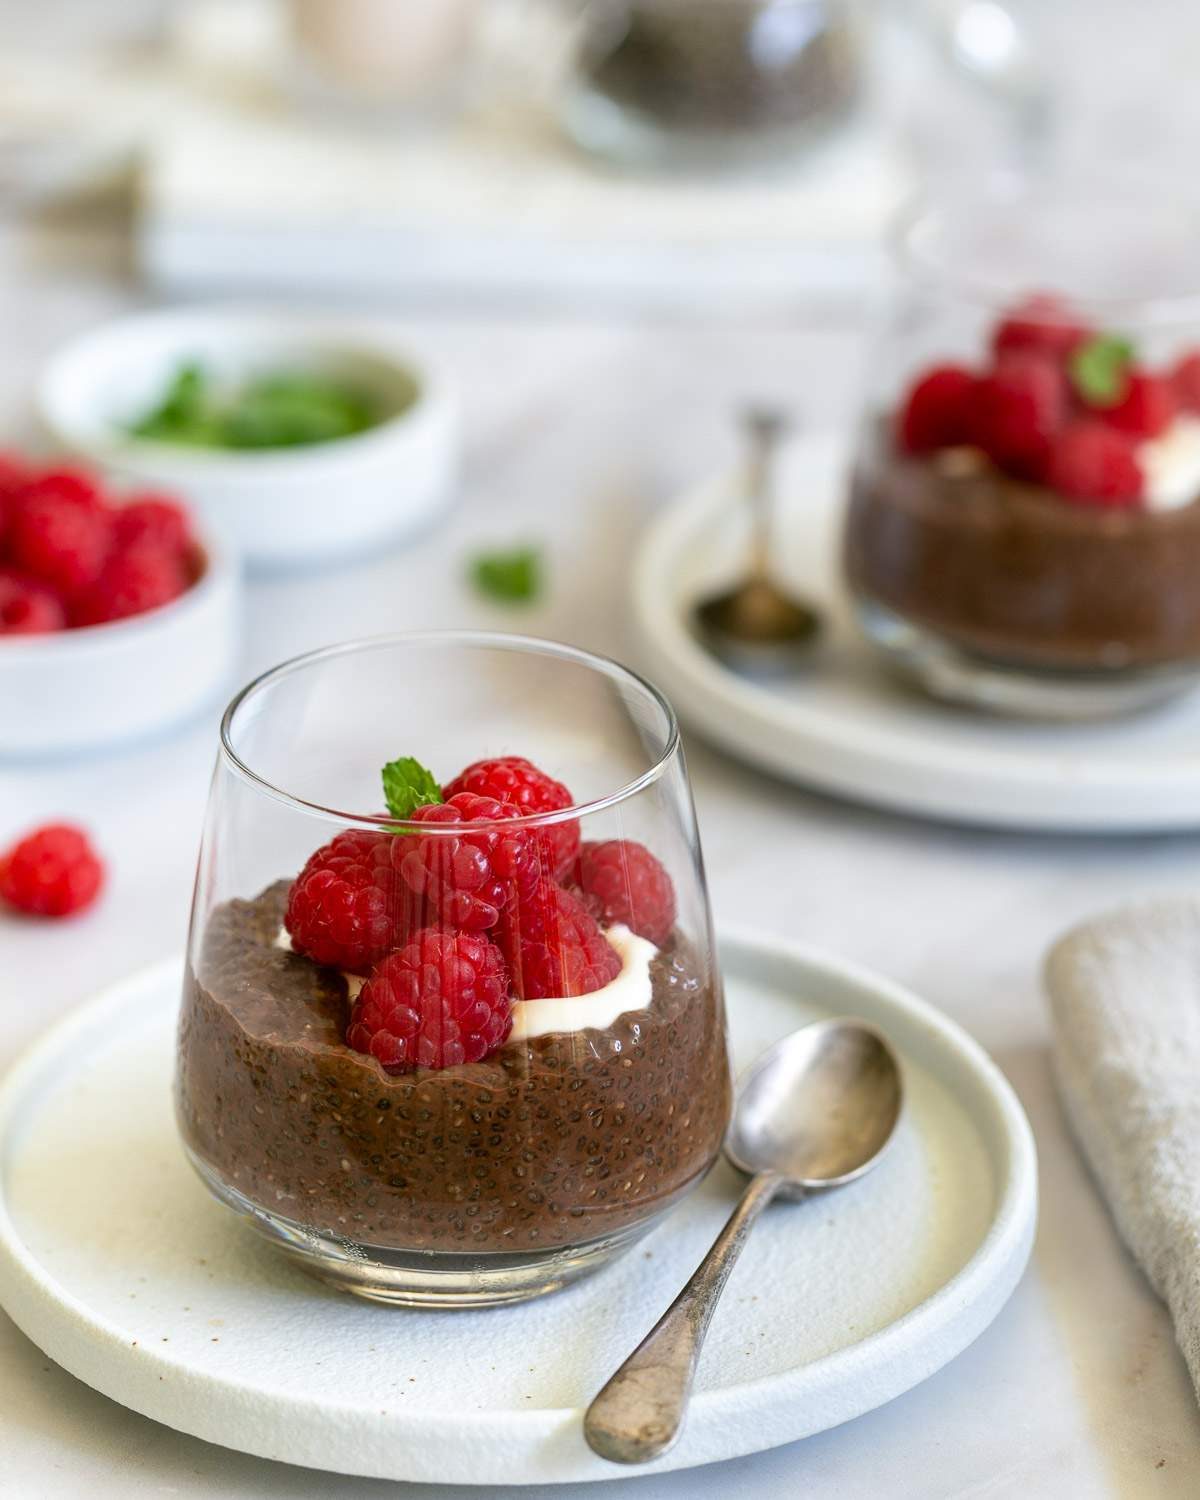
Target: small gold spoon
{"points": [[757, 628]]}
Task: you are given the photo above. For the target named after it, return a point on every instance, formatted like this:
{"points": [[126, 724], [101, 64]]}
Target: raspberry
{"points": [[467, 878], [1185, 380], [1095, 464], [937, 409], [133, 582], [440, 1001], [1016, 411], [627, 884], [1041, 324], [1147, 407], [69, 485], [12, 481], [155, 519], [61, 539], [518, 783], [554, 946], [28, 607], [346, 908], [52, 872]]}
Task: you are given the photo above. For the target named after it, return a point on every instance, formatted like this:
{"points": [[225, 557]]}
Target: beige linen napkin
{"points": [[1125, 1002]]}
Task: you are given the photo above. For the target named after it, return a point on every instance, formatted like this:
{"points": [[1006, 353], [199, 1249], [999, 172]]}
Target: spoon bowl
{"points": [[818, 1108]]}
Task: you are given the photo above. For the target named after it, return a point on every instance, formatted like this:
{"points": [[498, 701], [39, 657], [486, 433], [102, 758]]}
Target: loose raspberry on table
{"points": [[51, 872], [60, 539], [466, 875], [1017, 410], [142, 578], [936, 413], [519, 783], [155, 519], [1041, 324], [553, 945], [1095, 464], [441, 1000], [347, 908], [28, 607], [1146, 409], [627, 884]]}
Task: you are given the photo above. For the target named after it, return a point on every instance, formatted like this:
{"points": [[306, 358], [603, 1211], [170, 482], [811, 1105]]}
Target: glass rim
{"points": [[956, 201], [509, 641]]}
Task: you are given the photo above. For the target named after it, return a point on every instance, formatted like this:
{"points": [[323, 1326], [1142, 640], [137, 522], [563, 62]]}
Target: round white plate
{"points": [[117, 1263], [848, 727]]}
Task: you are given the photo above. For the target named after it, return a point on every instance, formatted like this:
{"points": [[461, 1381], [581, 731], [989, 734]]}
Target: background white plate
{"points": [[849, 727], [116, 1262]]}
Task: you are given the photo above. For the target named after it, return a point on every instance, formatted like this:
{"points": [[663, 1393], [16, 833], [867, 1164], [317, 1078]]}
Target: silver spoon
{"points": [[815, 1112], [756, 627]]}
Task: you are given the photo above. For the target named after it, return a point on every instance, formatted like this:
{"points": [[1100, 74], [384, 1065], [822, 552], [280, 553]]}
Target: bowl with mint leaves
{"points": [[304, 440]]}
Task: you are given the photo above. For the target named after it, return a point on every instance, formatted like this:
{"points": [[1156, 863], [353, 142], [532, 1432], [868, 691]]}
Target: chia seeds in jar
{"points": [[657, 78]]}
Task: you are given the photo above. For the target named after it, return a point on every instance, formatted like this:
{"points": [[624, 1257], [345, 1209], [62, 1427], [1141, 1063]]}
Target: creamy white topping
{"points": [[1171, 465], [632, 989]]}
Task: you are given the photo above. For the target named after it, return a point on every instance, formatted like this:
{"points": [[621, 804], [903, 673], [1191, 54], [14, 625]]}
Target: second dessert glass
{"points": [[1024, 526], [478, 1046]]}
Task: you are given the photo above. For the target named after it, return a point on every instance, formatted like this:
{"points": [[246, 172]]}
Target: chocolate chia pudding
{"points": [[547, 1143], [1006, 570]]}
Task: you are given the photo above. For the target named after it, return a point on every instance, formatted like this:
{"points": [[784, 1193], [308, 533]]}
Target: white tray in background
{"points": [[848, 727], [115, 1261]]}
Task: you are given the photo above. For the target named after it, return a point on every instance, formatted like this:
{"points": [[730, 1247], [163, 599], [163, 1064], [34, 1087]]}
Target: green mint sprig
{"points": [[407, 785], [1099, 369], [512, 577]]}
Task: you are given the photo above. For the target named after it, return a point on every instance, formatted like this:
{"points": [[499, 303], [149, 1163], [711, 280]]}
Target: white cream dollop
{"points": [[1171, 465], [631, 990]]}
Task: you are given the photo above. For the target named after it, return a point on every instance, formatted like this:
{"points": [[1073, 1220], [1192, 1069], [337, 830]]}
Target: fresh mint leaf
{"points": [[513, 577], [407, 785], [1099, 369]]}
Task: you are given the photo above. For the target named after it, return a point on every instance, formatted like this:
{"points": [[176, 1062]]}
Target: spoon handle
{"points": [[765, 426], [639, 1413]]}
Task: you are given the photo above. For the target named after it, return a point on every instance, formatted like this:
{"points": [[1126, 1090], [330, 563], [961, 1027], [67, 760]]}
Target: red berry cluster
{"points": [[1038, 416], [454, 925], [51, 872], [71, 556]]}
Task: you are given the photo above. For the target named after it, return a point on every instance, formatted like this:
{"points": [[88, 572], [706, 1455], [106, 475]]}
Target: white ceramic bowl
{"points": [[280, 507], [104, 684]]}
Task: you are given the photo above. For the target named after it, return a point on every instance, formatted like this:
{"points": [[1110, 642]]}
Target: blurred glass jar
{"points": [[710, 82], [382, 56], [1023, 532]]}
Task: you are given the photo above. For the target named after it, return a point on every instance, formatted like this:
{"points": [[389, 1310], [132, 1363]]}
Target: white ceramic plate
{"points": [[115, 1261], [850, 728]]}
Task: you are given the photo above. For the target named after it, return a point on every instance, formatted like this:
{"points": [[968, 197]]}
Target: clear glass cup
{"points": [[467, 1179], [1026, 537], [710, 82]]}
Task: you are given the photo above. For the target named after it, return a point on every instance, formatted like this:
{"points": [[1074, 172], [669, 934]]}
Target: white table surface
{"points": [[574, 432]]}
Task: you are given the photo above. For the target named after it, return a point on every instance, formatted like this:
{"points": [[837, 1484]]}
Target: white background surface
{"points": [[574, 432]]}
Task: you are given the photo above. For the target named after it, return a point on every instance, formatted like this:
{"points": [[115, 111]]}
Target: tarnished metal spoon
{"points": [[814, 1113], [757, 627]]}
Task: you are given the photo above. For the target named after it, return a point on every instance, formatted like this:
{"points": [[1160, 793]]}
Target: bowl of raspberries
{"points": [[116, 611]]}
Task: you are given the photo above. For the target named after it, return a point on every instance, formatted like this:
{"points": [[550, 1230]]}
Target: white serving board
{"points": [[849, 727], [115, 1261]]}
